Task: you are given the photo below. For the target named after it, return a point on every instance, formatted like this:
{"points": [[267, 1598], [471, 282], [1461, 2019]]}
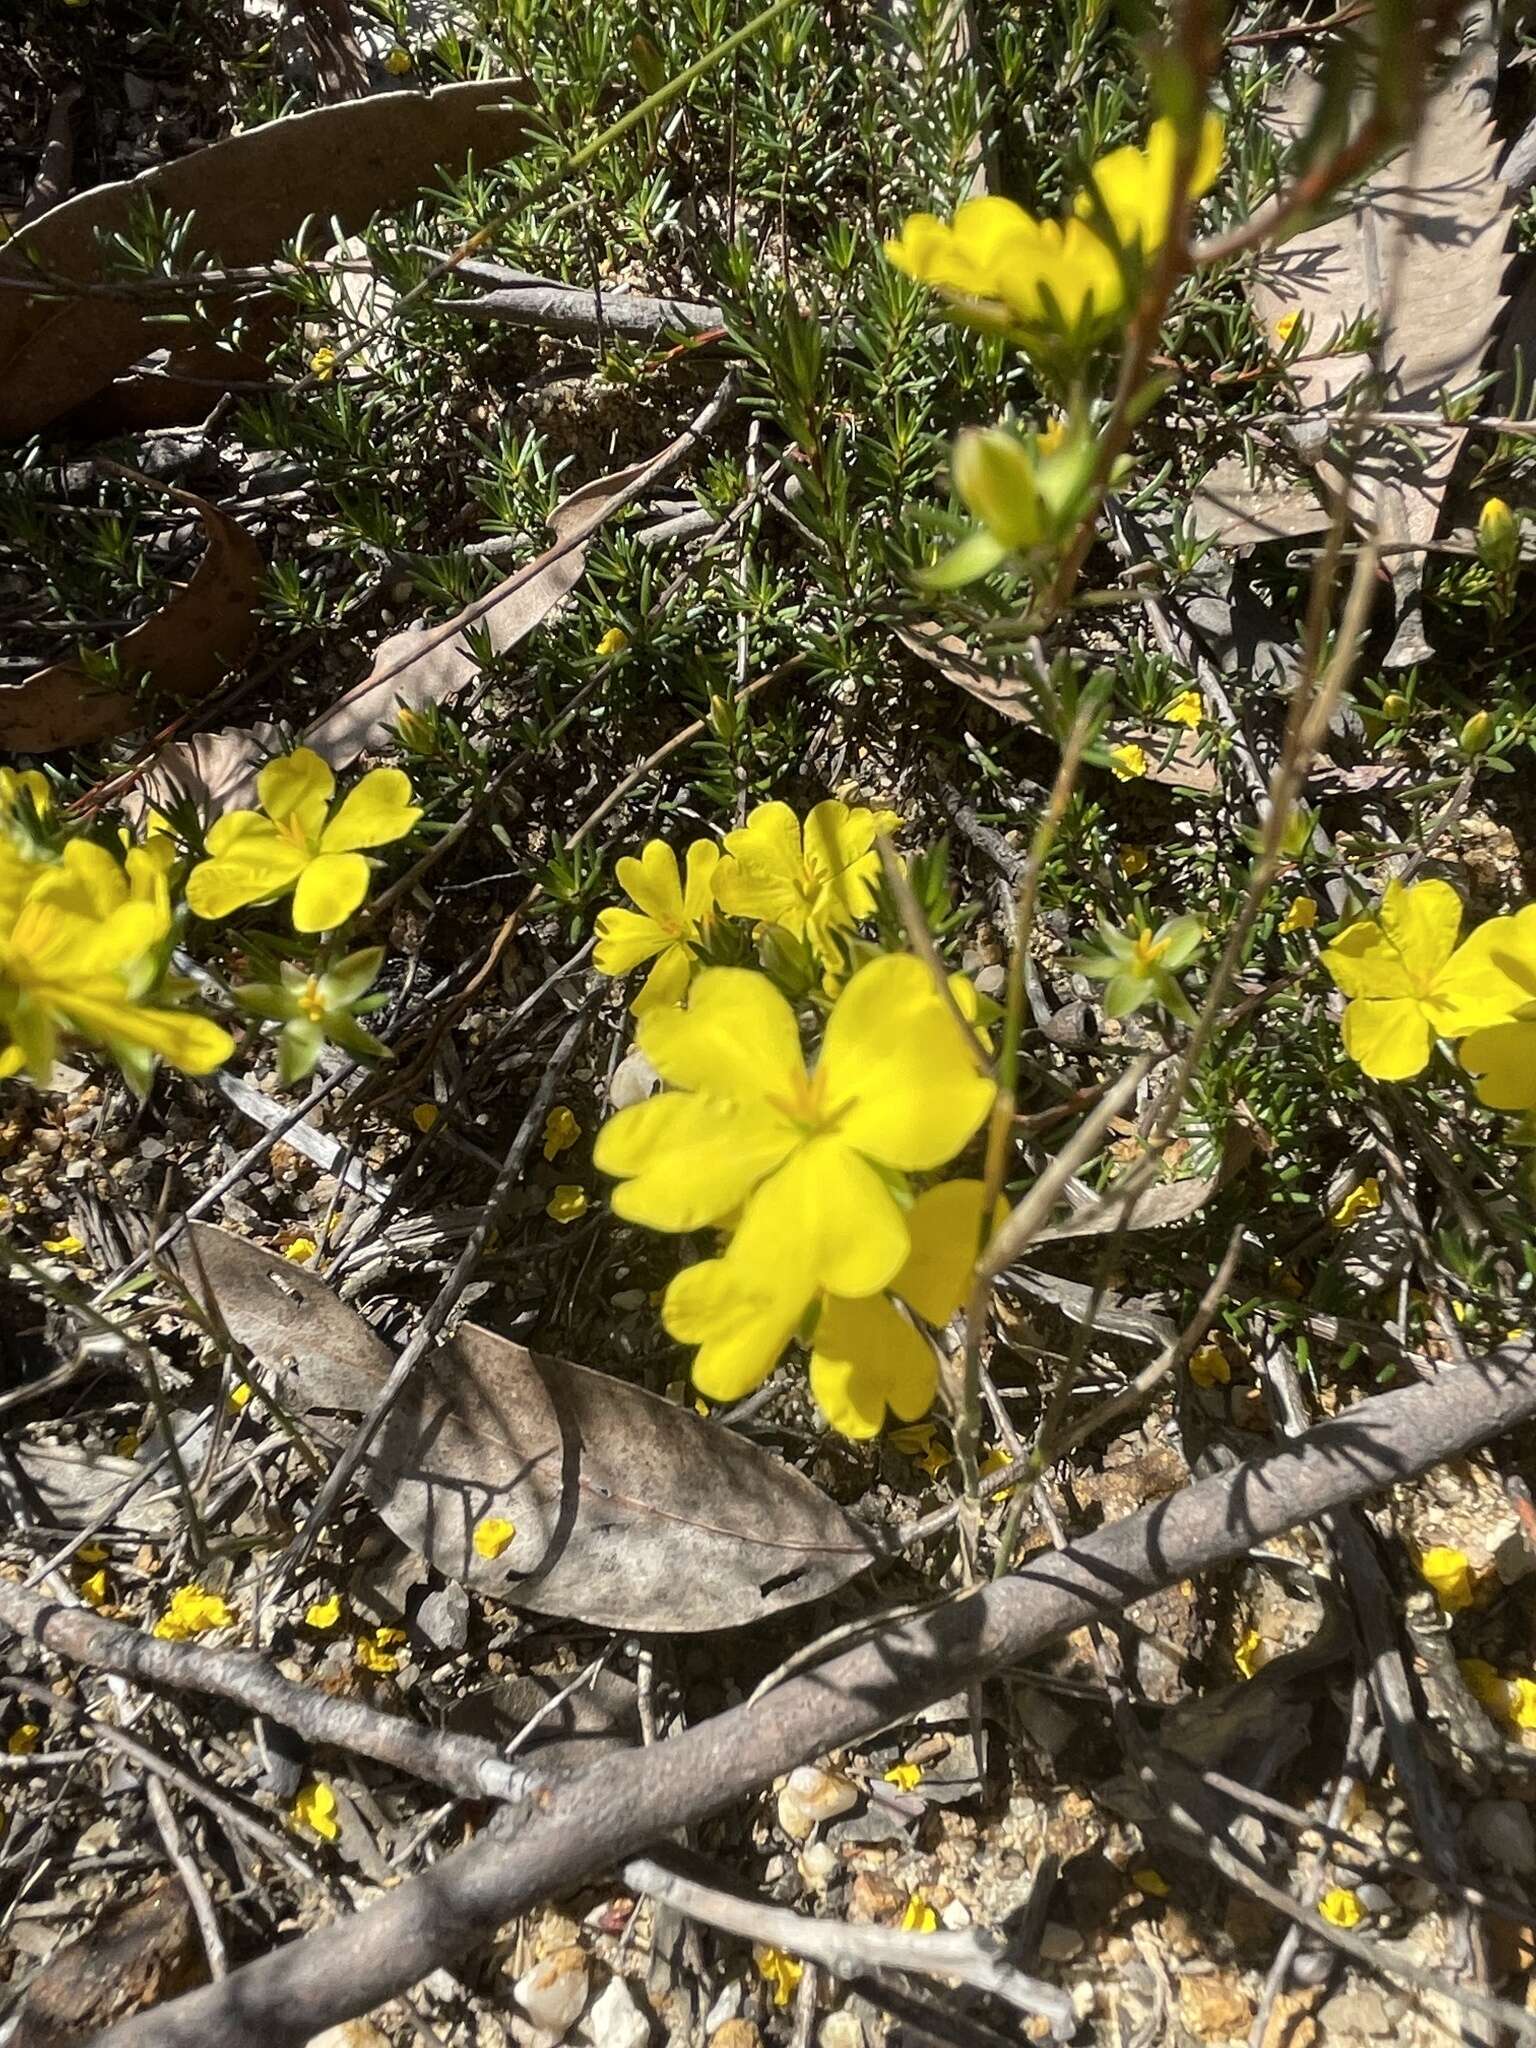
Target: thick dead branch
{"points": [[568, 1829]]}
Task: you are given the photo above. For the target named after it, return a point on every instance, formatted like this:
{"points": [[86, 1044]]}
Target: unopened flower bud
{"points": [[1395, 706], [1477, 733], [1498, 537]]}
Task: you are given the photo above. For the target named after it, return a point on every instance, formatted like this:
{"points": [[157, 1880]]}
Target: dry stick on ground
{"points": [[973, 1958], [570, 1828]]}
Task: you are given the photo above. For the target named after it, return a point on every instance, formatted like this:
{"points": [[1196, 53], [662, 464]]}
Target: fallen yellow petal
{"points": [[315, 1808], [425, 1115], [23, 1740], [919, 1917], [780, 1972], [323, 1613], [299, 1249], [1362, 1198], [193, 1611], [1341, 1907], [1448, 1574], [240, 1395], [66, 1246], [1152, 1882], [905, 1777], [1209, 1367], [493, 1535], [1128, 763], [561, 1130], [1252, 1652], [566, 1204]]}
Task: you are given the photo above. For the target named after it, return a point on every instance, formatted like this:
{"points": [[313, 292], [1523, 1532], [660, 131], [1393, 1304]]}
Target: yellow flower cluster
{"points": [[1410, 983], [85, 944], [808, 1169], [812, 884], [1054, 284]]}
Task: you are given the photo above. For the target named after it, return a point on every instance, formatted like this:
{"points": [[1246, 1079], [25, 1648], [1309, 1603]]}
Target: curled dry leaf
{"points": [[181, 651], [334, 167], [1422, 252], [628, 1511], [1175, 1202]]}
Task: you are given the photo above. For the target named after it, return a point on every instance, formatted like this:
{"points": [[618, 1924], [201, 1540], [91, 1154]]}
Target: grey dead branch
{"points": [[1422, 252]]}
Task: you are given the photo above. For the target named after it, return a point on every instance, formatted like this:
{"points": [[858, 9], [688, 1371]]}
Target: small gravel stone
{"points": [[615, 2020], [811, 1796], [1502, 1829]]}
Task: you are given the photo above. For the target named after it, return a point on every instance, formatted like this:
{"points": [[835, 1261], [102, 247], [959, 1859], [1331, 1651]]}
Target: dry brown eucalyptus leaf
{"points": [[629, 1511], [250, 194], [182, 650], [1422, 251]]}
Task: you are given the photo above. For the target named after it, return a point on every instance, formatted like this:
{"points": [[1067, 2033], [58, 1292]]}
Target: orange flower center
{"points": [[311, 1001]]}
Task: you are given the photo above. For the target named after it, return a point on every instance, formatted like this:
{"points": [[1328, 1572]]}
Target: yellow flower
{"points": [[905, 1777], [1286, 326], [1362, 1198], [1448, 1574], [1341, 1907], [415, 730], [780, 1972], [300, 1250], [322, 364], [1133, 861], [1152, 1882], [1045, 281], [378, 1651], [1300, 916], [82, 944], [561, 1131], [193, 1612], [810, 884], [493, 1535], [240, 1395], [324, 1613], [918, 1916], [397, 62], [314, 1808], [866, 1356], [64, 1247], [424, 1116], [566, 1203], [895, 1089], [1128, 762], [1252, 1653], [667, 925], [614, 641], [23, 1740], [298, 844], [1209, 1368], [1188, 708], [1409, 982]]}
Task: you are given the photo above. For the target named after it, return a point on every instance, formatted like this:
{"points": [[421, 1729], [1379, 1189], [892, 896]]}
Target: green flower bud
{"points": [[1477, 733], [994, 473], [1396, 706], [1498, 537]]}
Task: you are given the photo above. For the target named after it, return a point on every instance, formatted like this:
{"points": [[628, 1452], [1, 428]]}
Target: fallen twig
{"points": [[570, 1828]]}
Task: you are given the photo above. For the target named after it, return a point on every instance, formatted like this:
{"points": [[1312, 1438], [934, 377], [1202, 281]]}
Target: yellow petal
{"points": [[229, 833], [740, 1315], [377, 813], [1128, 762], [1421, 921], [765, 876], [314, 1807], [566, 1203], [905, 1777], [737, 1039], [330, 889], [1341, 1907], [667, 983], [323, 1614], [898, 1070], [919, 1917], [866, 1357], [945, 1228], [688, 1160], [1391, 1040], [1503, 1062], [699, 888], [1448, 1574], [260, 869], [1209, 1368], [654, 886], [294, 785], [1489, 980], [625, 939], [493, 1535], [826, 1214], [1362, 1198]]}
